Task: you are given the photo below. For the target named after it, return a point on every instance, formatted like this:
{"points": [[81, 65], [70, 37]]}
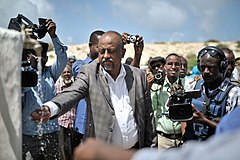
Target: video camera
{"points": [[29, 74], [39, 31], [180, 108]]}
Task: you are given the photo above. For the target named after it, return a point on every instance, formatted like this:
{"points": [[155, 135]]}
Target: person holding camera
{"points": [[138, 47], [169, 132], [154, 72], [231, 71], [40, 141], [218, 95], [118, 102]]}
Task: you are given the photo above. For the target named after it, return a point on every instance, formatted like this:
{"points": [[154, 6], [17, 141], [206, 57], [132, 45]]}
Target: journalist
{"points": [[40, 141], [218, 95], [169, 132]]}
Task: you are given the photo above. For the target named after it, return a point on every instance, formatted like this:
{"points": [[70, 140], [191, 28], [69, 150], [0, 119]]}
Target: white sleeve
{"points": [[54, 109]]}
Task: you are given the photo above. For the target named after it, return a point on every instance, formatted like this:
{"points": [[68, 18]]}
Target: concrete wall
{"points": [[11, 44]]}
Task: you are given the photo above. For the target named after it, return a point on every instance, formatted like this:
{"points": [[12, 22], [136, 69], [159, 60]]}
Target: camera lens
{"points": [[132, 38], [181, 111]]}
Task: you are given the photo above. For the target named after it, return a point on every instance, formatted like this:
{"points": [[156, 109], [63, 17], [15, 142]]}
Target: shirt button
{"points": [[90, 124], [110, 129]]}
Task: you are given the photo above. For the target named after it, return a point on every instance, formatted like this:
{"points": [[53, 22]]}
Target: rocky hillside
{"points": [[156, 49]]}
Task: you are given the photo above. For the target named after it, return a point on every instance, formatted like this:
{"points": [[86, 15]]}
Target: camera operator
{"points": [[218, 95], [155, 71], [169, 132], [40, 141]]}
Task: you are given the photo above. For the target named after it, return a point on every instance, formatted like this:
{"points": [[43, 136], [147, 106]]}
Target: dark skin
{"points": [[151, 70], [209, 67], [184, 65], [51, 28], [43, 113], [138, 48], [93, 46], [111, 52], [172, 68], [231, 62]]}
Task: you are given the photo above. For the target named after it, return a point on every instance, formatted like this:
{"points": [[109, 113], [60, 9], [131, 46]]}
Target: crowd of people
{"points": [[101, 108]]}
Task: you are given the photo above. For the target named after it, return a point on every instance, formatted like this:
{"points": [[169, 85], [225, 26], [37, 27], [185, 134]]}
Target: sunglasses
{"points": [[212, 52]]}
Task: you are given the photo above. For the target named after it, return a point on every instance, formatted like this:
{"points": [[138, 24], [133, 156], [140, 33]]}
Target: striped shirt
{"points": [[66, 120]]}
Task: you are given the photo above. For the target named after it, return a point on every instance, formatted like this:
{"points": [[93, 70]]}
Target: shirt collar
{"points": [[168, 84], [88, 59], [223, 86], [122, 73]]}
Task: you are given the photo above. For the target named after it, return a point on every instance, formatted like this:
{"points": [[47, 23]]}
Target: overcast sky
{"points": [[155, 20]]}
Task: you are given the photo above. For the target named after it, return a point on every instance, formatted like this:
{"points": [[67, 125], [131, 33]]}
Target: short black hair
{"points": [[94, 37], [173, 54], [129, 60]]}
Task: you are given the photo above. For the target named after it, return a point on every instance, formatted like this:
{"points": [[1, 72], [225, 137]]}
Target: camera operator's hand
{"points": [[51, 28], [42, 113], [199, 117], [150, 76], [176, 90]]}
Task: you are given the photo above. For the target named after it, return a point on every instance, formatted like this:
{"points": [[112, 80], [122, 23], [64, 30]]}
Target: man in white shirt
{"points": [[118, 103]]}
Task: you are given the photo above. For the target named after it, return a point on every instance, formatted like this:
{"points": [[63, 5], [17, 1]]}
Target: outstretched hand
{"points": [[41, 114]]}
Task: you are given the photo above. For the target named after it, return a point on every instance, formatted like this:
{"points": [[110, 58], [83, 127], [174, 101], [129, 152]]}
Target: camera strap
{"points": [[205, 104]]}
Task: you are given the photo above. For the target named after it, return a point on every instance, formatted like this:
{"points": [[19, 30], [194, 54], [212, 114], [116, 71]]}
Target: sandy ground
{"points": [[152, 50]]}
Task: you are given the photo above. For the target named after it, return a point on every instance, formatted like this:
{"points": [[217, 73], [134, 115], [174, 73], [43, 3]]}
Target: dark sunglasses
{"points": [[213, 52]]}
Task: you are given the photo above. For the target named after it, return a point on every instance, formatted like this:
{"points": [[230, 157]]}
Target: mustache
{"points": [[107, 60]]}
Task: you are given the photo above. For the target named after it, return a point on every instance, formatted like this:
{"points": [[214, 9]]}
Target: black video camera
{"points": [[40, 30], [29, 74], [180, 108], [159, 77]]}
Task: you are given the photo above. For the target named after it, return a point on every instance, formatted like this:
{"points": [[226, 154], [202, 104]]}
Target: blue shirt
{"points": [[31, 98], [229, 122], [81, 109]]}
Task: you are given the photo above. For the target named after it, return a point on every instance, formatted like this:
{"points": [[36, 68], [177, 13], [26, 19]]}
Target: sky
{"points": [[155, 20]]}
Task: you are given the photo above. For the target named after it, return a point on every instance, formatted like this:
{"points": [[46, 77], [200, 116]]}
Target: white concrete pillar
{"points": [[11, 44]]}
